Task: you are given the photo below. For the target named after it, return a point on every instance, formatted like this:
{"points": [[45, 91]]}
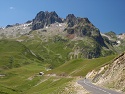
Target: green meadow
{"points": [[21, 62]]}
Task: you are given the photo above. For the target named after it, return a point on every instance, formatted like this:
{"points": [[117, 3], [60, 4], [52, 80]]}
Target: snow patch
{"points": [[118, 41], [47, 27], [60, 25]]}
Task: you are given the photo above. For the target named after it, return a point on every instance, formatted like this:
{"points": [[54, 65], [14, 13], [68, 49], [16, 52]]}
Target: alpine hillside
{"points": [[47, 54]]}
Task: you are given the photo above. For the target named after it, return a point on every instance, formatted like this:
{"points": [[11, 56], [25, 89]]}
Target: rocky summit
{"points": [[71, 20], [81, 27], [45, 18]]}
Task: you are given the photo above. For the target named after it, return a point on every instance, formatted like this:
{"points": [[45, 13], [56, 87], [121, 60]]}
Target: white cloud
{"points": [[11, 8]]}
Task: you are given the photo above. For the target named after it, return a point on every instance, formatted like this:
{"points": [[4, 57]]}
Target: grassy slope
{"points": [[22, 78], [53, 85], [25, 80], [15, 52], [51, 52], [81, 67], [18, 79]]}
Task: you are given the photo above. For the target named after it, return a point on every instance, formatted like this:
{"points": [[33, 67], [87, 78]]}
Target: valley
{"points": [[64, 50]]}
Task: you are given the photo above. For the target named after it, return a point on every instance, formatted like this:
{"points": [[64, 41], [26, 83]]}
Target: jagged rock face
{"points": [[71, 20], [81, 27], [45, 18]]}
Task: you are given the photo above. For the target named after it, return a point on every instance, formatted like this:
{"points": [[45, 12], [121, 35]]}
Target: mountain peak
{"points": [[71, 20], [45, 18]]}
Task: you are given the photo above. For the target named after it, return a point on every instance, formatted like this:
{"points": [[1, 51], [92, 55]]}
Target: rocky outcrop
{"points": [[111, 75], [9, 26], [121, 36], [45, 18], [111, 35]]}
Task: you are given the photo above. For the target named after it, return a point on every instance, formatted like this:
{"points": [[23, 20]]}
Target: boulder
{"points": [[41, 73]]}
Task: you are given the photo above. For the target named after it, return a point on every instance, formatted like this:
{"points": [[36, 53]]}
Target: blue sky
{"points": [[107, 15]]}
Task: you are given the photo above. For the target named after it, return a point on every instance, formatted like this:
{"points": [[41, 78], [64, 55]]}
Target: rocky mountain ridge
{"points": [[15, 31], [80, 27], [76, 26], [88, 40]]}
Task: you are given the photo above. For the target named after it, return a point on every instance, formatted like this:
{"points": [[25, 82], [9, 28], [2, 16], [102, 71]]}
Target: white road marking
{"points": [[96, 88]]}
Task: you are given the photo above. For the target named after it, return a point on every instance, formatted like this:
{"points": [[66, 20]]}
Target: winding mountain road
{"points": [[93, 89]]}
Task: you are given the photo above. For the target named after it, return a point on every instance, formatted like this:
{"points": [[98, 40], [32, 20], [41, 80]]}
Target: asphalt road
{"points": [[93, 89]]}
